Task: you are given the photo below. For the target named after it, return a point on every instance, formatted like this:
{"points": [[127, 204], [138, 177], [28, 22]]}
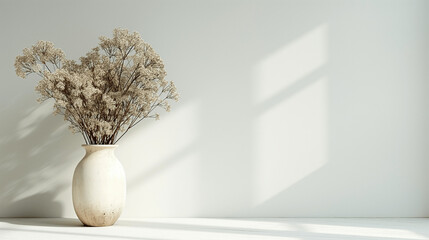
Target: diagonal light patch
{"points": [[291, 114], [291, 63], [27, 125], [168, 163]]}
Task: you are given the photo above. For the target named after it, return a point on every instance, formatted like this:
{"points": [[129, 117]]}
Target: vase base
{"points": [[93, 218]]}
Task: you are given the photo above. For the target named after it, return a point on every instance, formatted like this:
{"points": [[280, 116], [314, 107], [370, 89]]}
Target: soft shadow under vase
{"points": [[99, 186]]}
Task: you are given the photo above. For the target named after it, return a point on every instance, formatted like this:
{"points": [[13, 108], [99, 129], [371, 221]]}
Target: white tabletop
{"points": [[216, 228]]}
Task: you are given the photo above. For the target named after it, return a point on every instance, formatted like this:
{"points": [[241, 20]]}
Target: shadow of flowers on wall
{"points": [[35, 162]]}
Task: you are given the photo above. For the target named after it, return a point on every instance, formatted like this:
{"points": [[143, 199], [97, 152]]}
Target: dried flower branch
{"points": [[113, 88]]}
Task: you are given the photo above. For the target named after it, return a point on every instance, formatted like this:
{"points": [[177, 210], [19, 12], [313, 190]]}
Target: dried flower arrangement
{"points": [[114, 87]]}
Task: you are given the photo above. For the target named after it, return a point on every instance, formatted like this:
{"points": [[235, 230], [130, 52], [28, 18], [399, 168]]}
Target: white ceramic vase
{"points": [[99, 186]]}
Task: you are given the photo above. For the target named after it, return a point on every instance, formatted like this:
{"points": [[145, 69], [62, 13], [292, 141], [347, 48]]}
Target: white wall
{"points": [[289, 108]]}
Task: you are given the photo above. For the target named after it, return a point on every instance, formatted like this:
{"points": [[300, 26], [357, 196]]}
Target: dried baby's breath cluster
{"points": [[112, 88]]}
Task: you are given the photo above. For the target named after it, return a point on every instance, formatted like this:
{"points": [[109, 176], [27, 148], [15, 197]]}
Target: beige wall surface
{"points": [[288, 109]]}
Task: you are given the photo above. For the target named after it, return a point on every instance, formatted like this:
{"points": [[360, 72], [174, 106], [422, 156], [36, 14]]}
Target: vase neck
{"points": [[96, 148]]}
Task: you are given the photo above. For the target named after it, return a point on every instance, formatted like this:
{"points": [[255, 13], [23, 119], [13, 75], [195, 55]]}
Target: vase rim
{"points": [[100, 145]]}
